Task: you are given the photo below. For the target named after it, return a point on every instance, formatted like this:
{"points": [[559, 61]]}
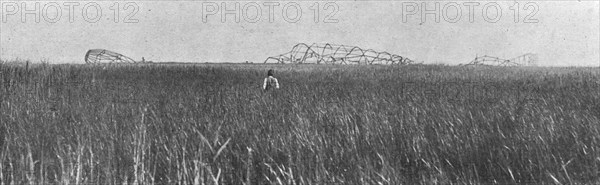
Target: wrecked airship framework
{"points": [[102, 56], [528, 59], [336, 54]]}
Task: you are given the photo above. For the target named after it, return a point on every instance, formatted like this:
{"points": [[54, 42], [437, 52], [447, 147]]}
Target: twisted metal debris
{"points": [[336, 54], [95, 56], [528, 59]]}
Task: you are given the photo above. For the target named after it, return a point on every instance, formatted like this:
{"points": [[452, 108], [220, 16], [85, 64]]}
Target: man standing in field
{"points": [[270, 81]]}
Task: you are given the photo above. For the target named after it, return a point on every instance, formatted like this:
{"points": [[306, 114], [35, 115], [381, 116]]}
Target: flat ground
{"points": [[212, 123]]}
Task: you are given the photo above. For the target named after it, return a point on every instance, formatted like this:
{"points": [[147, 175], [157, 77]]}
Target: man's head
{"points": [[270, 72]]}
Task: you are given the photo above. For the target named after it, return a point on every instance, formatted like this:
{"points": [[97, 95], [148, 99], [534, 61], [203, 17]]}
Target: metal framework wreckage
{"points": [[528, 59], [99, 56], [336, 54]]}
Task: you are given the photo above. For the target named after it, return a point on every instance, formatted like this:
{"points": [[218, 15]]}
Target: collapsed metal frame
{"points": [[336, 54], [528, 59], [97, 56]]}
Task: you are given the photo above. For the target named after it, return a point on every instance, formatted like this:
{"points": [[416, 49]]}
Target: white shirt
{"points": [[274, 79]]}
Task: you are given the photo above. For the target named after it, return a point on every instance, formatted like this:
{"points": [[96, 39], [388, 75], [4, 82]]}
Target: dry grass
{"points": [[211, 124]]}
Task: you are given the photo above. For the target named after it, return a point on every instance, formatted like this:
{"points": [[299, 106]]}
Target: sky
{"points": [[561, 33]]}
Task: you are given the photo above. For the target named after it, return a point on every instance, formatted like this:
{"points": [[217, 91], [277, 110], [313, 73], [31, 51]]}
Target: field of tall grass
{"points": [[212, 124]]}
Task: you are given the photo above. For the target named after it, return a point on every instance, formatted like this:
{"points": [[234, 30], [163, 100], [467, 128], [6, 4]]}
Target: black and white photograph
{"points": [[284, 92]]}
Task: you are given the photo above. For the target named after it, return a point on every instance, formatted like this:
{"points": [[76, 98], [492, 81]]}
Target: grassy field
{"points": [[212, 124]]}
